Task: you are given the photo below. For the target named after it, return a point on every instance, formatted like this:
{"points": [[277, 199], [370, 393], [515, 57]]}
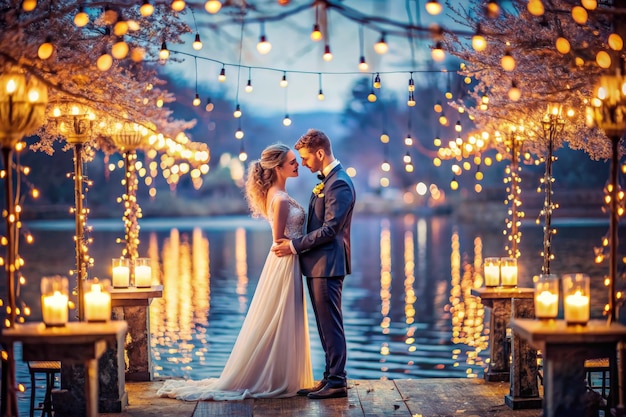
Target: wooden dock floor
{"points": [[438, 397]]}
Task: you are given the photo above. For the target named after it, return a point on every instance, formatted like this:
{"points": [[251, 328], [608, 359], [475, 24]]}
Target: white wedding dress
{"points": [[271, 357]]}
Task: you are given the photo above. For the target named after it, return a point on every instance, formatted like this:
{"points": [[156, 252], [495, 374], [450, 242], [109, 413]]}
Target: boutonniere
{"points": [[318, 190]]}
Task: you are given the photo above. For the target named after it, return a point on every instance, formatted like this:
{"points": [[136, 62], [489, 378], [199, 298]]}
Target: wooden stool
{"points": [[50, 369]]}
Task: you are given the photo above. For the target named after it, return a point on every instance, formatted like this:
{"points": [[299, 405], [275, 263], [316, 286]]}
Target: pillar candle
{"points": [[121, 276], [576, 308], [97, 304], [54, 309], [508, 272], [492, 272], [143, 276], [546, 305]]}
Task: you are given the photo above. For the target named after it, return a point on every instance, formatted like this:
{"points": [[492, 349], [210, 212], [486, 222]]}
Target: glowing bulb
{"points": [[603, 59], [507, 62], [478, 42], [196, 101], [328, 56], [385, 166], [249, 87], [283, 82], [589, 4], [197, 43], [514, 92], [213, 6], [119, 50], [45, 50], [264, 47], [316, 35], [178, 5], [29, 5], [320, 95], [146, 9], [371, 97], [362, 64], [381, 46], [433, 7], [237, 112], [286, 121], [81, 19], [562, 45], [243, 156], [493, 9], [454, 185], [438, 107], [411, 100], [104, 62], [579, 14], [437, 53], [408, 140], [120, 28], [239, 134], [164, 53], [411, 86], [209, 105], [616, 42], [377, 81], [535, 7], [222, 77]]}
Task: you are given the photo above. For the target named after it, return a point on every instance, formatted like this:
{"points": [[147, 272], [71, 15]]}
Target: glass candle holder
{"points": [[54, 300], [143, 273], [546, 296], [97, 305], [508, 272], [576, 298], [121, 272], [491, 269]]}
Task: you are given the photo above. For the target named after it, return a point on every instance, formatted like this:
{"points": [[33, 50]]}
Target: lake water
{"points": [[407, 308]]}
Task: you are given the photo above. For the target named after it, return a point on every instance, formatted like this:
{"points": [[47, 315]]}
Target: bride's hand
{"points": [[281, 247]]}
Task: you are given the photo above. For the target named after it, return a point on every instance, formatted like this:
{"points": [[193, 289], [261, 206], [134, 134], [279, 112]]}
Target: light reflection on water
{"points": [[407, 306]]}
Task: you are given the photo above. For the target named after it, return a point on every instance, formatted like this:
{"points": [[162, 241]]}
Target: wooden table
{"points": [[565, 349], [76, 342], [133, 305]]}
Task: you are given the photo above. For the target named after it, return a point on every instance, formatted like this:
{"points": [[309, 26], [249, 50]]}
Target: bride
{"points": [[271, 357]]}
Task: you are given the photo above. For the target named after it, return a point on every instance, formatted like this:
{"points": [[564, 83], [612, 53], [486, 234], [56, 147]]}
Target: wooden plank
{"points": [[224, 408], [456, 396], [380, 398]]}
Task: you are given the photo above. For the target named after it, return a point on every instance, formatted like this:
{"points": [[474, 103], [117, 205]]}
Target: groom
{"points": [[324, 253]]}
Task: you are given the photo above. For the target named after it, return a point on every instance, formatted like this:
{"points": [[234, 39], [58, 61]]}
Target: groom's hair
{"points": [[313, 140]]}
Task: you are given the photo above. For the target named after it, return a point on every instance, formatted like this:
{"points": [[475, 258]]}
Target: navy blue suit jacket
{"points": [[324, 250]]}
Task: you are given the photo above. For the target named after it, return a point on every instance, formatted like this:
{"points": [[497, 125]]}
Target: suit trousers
{"points": [[325, 296]]}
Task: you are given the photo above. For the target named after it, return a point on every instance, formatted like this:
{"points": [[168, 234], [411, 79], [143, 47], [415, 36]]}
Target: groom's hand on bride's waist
{"points": [[282, 247]]}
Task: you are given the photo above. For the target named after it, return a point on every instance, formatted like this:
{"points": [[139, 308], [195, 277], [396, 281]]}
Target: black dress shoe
{"points": [[329, 392], [306, 391]]}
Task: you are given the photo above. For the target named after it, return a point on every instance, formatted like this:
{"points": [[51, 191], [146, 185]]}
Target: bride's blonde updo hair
{"points": [[262, 175]]}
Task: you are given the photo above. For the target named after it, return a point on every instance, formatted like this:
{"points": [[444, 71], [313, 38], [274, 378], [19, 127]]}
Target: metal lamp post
{"points": [[553, 124], [75, 123], [128, 137], [23, 102]]}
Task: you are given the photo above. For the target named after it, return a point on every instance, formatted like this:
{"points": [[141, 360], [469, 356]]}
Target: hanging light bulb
{"points": [[377, 81], [164, 53], [381, 46], [320, 95], [119, 50], [411, 83], [237, 112], [433, 7], [478, 40], [411, 101], [328, 56], [209, 105], [408, 140], [385, 166], [178, 5], [46, 49], [409, 167], [438, 53], [249, 87], [196, 100], [243, 156], [616, 42], [222, 77], [454, 184], [286, 120], [407, 158], [120, 28], [362, 64], [492, 9], [384, 137], [146, 9], [371, 97], [562, 45], [507, 61], [443, 120], [197, 43], [458, 127], [514, 92], [264, 47], [239, 133], [535, 7], [81, 19], [580, 15], [105, 61], [29, 5], [438, 107], [213, 6], [283, 81], [316, 34], [603, 59], [137, 54]]}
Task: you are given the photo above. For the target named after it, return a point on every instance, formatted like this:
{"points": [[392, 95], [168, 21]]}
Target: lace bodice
{"points": [[295, 219]]}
